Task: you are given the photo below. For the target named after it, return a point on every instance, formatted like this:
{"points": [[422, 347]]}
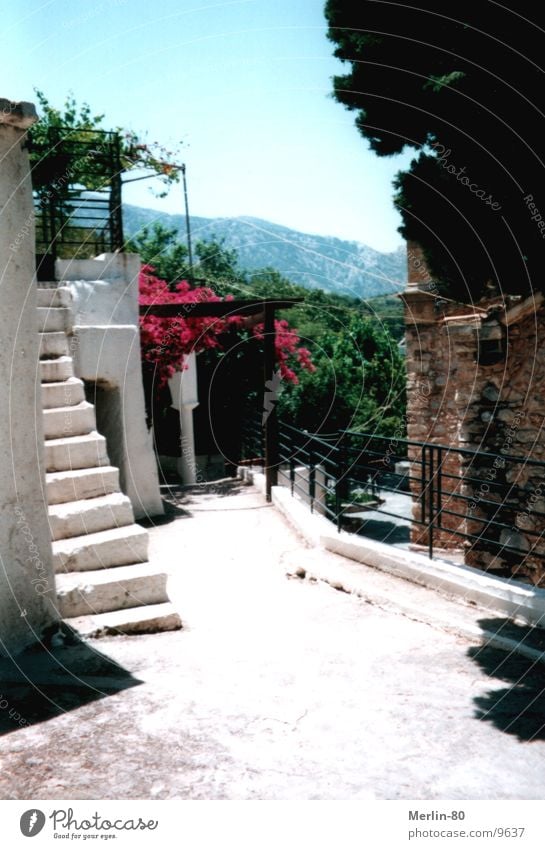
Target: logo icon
{"points": [[272, 386], [32, 822]]}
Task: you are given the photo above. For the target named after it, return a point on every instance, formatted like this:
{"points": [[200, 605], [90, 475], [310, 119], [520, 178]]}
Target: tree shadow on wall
{"points": [[519, 708]]}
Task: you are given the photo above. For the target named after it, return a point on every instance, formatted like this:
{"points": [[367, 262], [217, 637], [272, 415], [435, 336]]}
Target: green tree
{"points": [[68, 145], [217, 262], [458, 86], [359, 382], [71, 154], [160, 248], [215, 265]]}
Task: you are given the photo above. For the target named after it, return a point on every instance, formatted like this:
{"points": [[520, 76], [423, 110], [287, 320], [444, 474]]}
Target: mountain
{"points": [[324, 262]]}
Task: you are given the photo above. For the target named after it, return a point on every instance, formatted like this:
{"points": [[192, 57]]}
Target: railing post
{"points": [[292, 472], [423, 487], [311, 479], [116, 214], [271, 421], [340, 480], [439, 505], [432, 506]]}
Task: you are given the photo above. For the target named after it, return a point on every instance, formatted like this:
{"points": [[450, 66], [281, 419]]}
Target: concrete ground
{"points": [[277, 688]]}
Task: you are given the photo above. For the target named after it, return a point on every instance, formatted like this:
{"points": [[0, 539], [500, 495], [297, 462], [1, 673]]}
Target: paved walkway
{"points": [[277, 688]]}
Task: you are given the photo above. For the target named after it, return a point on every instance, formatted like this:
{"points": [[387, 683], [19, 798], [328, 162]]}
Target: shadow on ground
{"points": [[43, 683], [518, 709], [382, 531], [178, 498]]}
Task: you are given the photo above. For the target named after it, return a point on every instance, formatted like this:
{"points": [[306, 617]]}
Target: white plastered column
{"points": [[183, 388], [27, 582]]}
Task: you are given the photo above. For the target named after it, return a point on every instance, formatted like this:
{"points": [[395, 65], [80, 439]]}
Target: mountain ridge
{"points": [[326, 262]]}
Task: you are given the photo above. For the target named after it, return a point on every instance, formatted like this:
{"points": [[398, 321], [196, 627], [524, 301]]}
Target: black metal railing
{"points": [[440, 494], [76, 177], [252, 440]]}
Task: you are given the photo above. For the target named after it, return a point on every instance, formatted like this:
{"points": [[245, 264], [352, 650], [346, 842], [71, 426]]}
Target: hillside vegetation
{"points": [[359, 379], [315, 262]]}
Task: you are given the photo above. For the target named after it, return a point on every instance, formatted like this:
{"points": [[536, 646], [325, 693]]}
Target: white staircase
{"points": [[105, 584]]}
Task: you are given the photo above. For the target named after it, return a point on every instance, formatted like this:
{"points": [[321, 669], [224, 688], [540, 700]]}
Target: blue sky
{"points": [[245, 85]]}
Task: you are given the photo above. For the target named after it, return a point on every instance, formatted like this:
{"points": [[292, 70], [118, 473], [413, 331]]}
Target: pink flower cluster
{"points": [[166, 341], [288, 351]]}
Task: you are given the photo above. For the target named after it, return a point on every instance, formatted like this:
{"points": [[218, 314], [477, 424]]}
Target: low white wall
{"points": [[463, 583], [104, 289], [106, 349], [518, 601], [301, 486], [27, 583], [109, 357]]}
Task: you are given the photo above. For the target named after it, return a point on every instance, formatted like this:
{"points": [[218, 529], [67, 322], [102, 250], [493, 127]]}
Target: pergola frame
{"points": [[222, 309]]}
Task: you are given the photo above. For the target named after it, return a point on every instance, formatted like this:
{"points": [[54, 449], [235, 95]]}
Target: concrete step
{"points": [[90, 515], [54, 371], [76, 452], [51, 319], [58, 296], [85, 593], [69, 421], [135, 620], [53, 345], [65, 393], [75, 484], [115, 547]]}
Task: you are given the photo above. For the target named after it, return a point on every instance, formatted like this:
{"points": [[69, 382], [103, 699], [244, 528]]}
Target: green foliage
{"points": [[359, 381], [161, 249], [460, 90], [69, 147], [387, 311], [54, 162], [216, 262], [215, 265]]}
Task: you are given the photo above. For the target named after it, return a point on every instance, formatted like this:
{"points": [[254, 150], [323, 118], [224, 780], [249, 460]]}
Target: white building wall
{"points": [[27, 584], [106, 349]]}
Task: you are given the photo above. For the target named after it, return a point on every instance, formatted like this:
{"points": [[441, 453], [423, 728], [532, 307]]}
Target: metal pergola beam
{"points": [[217, 309]]}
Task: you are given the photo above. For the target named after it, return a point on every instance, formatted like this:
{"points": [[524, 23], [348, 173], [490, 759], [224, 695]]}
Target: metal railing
{"points": [[77, 193], [479, 500]]}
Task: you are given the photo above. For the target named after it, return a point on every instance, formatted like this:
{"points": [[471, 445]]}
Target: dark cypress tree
{"points": [[463, 85]]}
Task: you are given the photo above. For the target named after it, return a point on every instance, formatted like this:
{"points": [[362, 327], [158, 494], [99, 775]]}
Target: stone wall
{"points": [[27, 584], [474, 375]]}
